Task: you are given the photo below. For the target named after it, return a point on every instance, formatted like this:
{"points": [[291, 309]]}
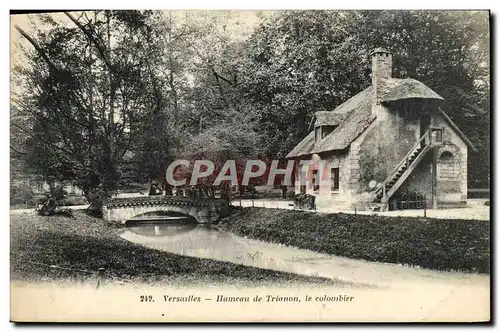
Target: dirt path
{"points": [[475, 209]]}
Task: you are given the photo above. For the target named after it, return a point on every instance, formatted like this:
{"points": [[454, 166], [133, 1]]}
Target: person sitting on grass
{"points": [[48, 207]]}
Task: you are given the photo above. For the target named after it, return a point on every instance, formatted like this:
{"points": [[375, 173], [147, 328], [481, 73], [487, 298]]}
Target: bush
{"points": [[58, 193], [21, 195], [96, 198], [305, 201], [371, 167], [73, 200]]}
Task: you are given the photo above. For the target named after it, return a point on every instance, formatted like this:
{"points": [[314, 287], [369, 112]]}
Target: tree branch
{"points": [[97, 44], [18, 152], [37, 47]]}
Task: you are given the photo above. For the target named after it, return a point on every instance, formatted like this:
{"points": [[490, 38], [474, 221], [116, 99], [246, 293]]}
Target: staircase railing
{"points": [[425, 139]]}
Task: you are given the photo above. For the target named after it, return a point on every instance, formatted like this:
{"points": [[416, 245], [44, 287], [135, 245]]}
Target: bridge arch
{"points": [[200, 209], [161, 215]]}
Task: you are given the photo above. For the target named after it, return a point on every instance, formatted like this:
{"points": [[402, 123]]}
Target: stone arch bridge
{"points": [[203, 210]]}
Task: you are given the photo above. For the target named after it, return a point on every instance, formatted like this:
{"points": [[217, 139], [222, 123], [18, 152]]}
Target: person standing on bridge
{"points": [[154, 190]]}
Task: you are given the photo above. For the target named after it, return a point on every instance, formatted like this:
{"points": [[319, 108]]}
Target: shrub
{"points": [[305, 201], [58, 192], [371, 167], [21, 194]]}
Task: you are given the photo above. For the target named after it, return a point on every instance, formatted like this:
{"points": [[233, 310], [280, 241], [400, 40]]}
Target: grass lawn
{"points": [[85, 243], [455, 245]]}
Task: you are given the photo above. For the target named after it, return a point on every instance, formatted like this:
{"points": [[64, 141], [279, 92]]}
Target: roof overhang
{"points": [[459, 132], [408, 88]]}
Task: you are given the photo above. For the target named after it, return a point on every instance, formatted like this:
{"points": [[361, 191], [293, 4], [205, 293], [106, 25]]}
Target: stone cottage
{"points": [[389, 144]]}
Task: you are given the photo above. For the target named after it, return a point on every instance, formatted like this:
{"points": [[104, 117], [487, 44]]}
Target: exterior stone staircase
{"points": [[403, 170]]}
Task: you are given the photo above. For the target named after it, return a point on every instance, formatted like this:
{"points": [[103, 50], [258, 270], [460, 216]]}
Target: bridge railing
{"points": [[161, 199]]}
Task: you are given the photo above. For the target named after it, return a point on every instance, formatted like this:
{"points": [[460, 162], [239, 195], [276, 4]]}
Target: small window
{"points": [[327, 130], [315, 181], [321, 132], [334, 179], [437, 135], [317, 134]]}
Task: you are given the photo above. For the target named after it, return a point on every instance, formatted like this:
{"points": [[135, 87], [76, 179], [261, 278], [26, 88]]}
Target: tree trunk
{"points": [[96, 197]]}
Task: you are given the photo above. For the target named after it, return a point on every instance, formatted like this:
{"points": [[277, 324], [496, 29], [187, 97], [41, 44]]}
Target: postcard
{"points": [[250, 166]]}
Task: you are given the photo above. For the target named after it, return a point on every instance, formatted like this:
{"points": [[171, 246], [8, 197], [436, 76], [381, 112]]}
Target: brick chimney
{"points": [[381, 72]]}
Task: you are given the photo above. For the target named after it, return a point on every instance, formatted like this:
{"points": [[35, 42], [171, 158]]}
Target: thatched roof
{"points": [[359, 116], [342, 112], [327, 118], [353, 116], [356, 116], [457, 130], [304, 147], [407, 88]]}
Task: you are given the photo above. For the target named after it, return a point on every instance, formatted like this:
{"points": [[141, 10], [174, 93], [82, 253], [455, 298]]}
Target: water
{"points": [[206, 242]]}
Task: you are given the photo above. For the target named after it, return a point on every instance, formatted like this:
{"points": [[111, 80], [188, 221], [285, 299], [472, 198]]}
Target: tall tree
{"points": [[299, 63], [88, 82], [221, 125], [303, 62]]}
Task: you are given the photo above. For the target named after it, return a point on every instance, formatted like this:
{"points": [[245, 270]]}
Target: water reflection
{"points": [[208, 242], [161, 217], [161, 229], [203, 241]]}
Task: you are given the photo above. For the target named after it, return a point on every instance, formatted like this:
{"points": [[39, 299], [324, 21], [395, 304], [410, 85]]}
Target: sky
{"points": [[241, 23]]}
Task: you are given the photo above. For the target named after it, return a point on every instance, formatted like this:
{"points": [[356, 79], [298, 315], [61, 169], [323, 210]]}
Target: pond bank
{"points": [[63, 248], [452, 245]]}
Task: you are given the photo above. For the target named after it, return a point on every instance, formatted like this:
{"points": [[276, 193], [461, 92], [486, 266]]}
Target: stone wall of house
{"points": [[396, 130], [378, 150], [353, 193], [451, 170], [352, 183], [325, 194], [408, 115], [451, 164], [419, 181]]}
